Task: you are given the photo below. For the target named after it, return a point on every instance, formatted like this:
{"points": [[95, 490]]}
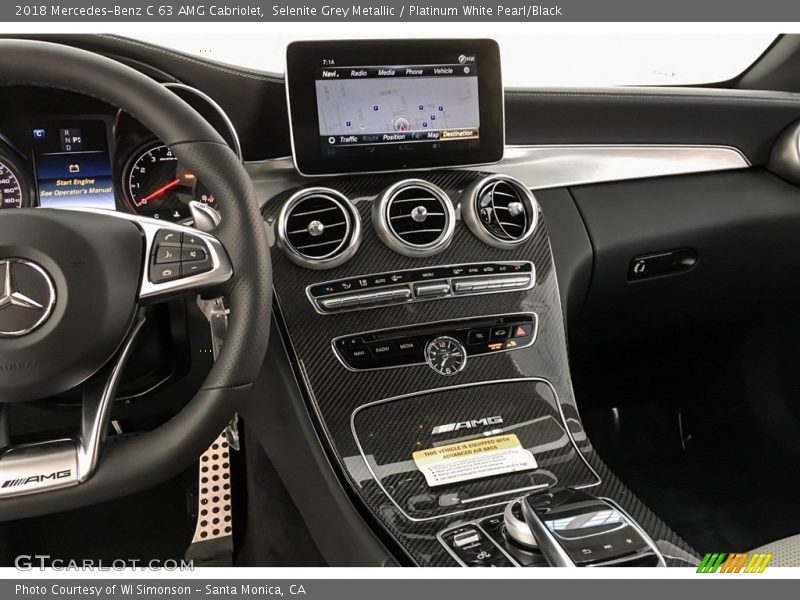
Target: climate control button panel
{"points": [[416, 344], [418, 285]]}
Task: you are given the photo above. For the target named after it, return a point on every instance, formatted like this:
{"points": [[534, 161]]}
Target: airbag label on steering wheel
{"points": [[473, 459]]}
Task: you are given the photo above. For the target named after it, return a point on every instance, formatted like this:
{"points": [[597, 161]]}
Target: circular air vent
{"points": [[319, 228], [501, 211], [414, 217]]}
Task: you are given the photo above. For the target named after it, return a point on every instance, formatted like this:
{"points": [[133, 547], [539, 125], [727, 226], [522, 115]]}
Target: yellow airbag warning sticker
{"points": [[474, 459]]}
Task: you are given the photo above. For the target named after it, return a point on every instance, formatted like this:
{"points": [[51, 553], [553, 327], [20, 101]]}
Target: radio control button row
{"points": [[404, 346]]}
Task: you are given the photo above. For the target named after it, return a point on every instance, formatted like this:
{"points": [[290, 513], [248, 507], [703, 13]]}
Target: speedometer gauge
{"points": [[10, 189], [159, 187]]}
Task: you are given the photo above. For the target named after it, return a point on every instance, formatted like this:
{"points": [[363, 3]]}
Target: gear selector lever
{"points": [[572, 528]]}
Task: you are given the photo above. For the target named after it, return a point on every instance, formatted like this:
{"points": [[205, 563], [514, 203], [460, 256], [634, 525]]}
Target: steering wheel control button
{"points": [[168, 254], [168, 236], [178, 254], [193, 253], [162, 273]]}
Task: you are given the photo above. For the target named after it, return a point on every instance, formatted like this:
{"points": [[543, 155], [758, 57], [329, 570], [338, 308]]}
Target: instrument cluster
{"points": [[104, 161]]}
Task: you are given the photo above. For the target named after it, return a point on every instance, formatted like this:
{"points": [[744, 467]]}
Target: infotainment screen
{"points": [[361, 106], [72, 164]]}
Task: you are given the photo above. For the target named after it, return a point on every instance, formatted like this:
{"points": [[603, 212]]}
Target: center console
{"points": [[423, 317]]}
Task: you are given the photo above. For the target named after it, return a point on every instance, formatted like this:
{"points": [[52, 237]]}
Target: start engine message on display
{"points": [[72, 165]]}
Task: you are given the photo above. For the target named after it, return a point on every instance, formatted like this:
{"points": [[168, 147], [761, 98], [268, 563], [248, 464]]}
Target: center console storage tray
{"points": [[389, 431]]}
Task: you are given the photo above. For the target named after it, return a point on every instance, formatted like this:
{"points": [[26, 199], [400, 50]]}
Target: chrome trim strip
{"points": [[542, 167], [455, 387], [534, 335], [412, 299], [548, 166]]}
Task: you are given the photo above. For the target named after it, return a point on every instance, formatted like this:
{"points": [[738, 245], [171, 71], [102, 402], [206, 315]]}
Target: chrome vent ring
{"points": [[319, 228], [500, 211], [414, 217]]}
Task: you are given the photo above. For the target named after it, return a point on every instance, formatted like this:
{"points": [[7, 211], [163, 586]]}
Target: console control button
{"points": [[407, 346], [478, 336], [331, 303], [474, 549], [521, 330], [382, 349], [431, 290], [465, 538], [357, 354], [499, 333]]}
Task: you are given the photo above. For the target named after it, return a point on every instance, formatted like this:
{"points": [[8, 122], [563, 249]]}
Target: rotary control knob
{"points": [[516, 527], [446, 355]]}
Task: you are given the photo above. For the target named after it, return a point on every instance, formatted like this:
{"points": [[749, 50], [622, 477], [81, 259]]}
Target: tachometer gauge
{"points": [[11, 195], [159, 187]]}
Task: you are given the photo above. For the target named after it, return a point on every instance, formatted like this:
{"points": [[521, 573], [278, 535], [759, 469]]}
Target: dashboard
{"points": [[104, 160], [415, 285]]}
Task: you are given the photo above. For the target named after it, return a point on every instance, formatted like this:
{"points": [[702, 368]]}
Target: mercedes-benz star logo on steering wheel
{"points": [[27, 297]]}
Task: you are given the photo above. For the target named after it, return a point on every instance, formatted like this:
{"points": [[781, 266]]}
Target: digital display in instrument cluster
{"points": [[72, 164]]}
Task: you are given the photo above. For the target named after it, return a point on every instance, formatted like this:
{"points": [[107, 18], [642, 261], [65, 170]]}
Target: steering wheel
{"points": [[75, 283]]}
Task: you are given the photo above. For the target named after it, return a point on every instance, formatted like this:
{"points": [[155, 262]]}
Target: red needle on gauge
{"points": [[161, 190]]}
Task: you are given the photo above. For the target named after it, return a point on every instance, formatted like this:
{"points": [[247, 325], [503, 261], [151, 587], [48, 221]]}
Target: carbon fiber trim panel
{"points": [[335, 393], [389, 431]]}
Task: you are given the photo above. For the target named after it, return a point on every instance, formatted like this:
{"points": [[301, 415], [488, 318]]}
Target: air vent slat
{"points": [[414, 217], [319, 245], [319, 228], [313, 212], [501, 211]]}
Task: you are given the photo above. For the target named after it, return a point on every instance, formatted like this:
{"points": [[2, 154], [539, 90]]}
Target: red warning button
{"points": [[521, 330]]}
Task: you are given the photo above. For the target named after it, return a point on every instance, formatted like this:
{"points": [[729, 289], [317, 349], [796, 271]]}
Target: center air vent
{"points": [[414, 217], [319, 228], [501, 211]]}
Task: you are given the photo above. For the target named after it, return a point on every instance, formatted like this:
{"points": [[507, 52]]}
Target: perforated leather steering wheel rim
{"points": [[132, 464]]}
